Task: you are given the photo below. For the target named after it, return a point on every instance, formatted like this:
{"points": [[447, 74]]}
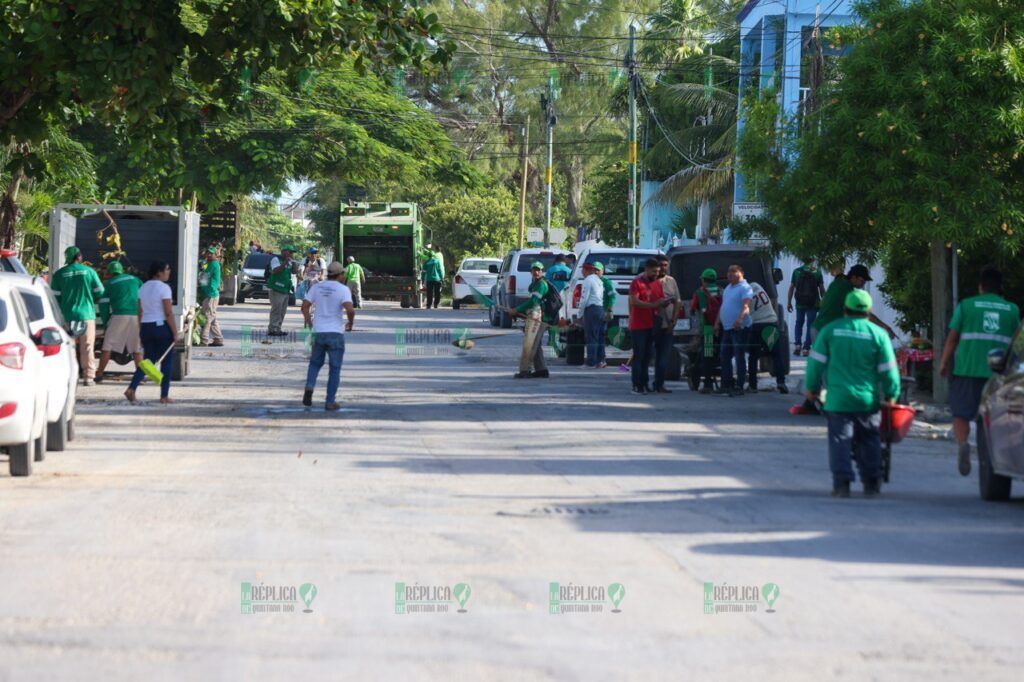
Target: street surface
{"points": [[123, 557]]}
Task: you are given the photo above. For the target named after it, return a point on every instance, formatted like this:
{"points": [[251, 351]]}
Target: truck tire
{"points": [[404, 301], [674, 371], [57, 433], [492, 316], [417, 300], [71, 428], [455, 304], [21, 458], [182, 360], [992, 486], [241, 298], [504, 320], [575, 347]]}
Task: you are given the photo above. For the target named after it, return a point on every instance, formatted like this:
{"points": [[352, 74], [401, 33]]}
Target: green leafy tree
{"points": [[480, 223]]}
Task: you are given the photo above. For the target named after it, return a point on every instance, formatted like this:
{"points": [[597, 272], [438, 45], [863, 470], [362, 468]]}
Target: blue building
{"points": [[776, 51]]}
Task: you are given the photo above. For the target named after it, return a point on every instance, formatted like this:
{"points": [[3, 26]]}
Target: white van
{"points": [[512, 287]]}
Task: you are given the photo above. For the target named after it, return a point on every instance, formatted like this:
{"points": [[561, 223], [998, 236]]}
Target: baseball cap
{"points": [[115, 268], [589, 266], [598, 265], [537, 265], [71, 253], [212, 249], [288, 247], [709, 274], [859, 270], [858, 300], [335, 269], [313, 249]]}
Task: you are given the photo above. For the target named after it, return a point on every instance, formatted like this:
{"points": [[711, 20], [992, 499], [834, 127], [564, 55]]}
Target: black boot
{"points": [[307, 397], [541, 374], [841, 489], [872, 487]]}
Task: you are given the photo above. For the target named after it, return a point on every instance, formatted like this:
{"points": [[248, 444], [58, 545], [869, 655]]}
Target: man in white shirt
{"points": [[592, 308], [765, 335], [322, 310]]}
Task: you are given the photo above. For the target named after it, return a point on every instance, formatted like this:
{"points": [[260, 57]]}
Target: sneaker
{"points": [[540, 374], [841, 489], [662, 389], [872, 488], [521, 375], [796, 350], [204, 343], [639, 390], [332, 407], [98, 379], [602, 365], [963, 459], [217, 344], [307, 397], [782, 387], [90, 382], [807, 350], [722, 390], [706, 389], [752, 388], [735, 392]]}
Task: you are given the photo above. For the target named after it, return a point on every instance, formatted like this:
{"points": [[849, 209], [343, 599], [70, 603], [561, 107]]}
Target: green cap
{"points": [[115, 268], [709, 274], [71, 253], [288, 247], [537, 265], [212, 249], [858, 300], [598, 265]]}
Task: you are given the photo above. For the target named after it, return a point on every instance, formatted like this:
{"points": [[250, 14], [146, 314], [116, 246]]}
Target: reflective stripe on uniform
{"points": [[982, 336], [815, 355], [886, 366]]}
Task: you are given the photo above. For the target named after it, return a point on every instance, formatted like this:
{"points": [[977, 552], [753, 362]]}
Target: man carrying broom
{"points": [[533, 328]]}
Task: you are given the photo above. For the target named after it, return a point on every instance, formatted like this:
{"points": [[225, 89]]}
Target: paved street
{"points": [[122, 558]]}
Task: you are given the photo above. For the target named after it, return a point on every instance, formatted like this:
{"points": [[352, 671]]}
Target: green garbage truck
{"points": [[386, 238]]}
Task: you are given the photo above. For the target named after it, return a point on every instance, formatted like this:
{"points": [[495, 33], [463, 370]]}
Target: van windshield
{"points": [[257, 261], [623, 264]]}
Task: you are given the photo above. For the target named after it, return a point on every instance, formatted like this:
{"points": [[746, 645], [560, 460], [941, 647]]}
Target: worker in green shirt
{"points": [[609, 291], [280, 288], [433, 273], [832, 304], [77, 288], [209, 294], [354, 279], [119, 309], [862, 374], [534, 325], [980, 324]]}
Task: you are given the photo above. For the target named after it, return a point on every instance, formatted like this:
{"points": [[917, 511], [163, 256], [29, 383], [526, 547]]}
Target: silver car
{"points": [[1001, 422]]}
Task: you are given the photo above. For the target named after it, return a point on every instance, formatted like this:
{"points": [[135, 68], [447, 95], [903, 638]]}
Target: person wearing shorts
{"points": [[121, 331]]}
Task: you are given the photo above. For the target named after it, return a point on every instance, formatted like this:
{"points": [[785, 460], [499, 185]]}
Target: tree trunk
{"points": [[940, 315], [9, 209]]}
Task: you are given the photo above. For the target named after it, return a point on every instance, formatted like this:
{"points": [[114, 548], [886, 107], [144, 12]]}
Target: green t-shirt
{"points": [[280, 281], [354, 273], [209, 273], [985, 322], [432, 271], [538, 290], [77, 288], [122, 295], [860, 363], [609, 293], [834, 302]]}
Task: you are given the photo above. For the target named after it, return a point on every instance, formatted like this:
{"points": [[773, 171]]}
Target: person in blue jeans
{"points": [[322, 311], [808, 285], [157, 329], [592, 305], [735, 322]]}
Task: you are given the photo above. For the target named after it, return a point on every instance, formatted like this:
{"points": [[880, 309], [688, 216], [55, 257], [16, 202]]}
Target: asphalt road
{"points": [[124, 557]]}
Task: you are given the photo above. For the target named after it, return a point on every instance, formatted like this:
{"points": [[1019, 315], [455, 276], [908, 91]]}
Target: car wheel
{"points": [[240, 299], [455, 304], [21, 458], [575, 347], [40, 446], [992, 486], [492, 316], [57, 433], [504, 319], [71, 428]]}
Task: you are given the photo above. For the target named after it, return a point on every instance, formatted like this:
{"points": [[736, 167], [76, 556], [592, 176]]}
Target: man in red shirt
{"points": [[646, 298]]}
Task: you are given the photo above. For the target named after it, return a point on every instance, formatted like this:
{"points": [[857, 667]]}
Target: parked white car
{"points": [[60, 360], [22, 385], [475, 273]]}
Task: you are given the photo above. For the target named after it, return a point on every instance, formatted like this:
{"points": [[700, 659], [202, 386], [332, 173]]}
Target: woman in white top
{"points": [[157, 329]]}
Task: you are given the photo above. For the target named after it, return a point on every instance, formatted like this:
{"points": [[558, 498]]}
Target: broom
{"points": [[149, 368]]}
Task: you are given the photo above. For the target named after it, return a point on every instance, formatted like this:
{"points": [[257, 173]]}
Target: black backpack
{"points": [[807, 290], [551, 304]]}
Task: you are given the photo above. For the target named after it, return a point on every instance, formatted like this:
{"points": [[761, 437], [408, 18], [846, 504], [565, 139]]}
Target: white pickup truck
{"points": [[621, 266]]}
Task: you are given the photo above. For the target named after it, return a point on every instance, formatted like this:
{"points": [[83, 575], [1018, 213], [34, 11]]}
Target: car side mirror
{"points": [[47, 337], [493, 269], [777, 275], [997, 360]]}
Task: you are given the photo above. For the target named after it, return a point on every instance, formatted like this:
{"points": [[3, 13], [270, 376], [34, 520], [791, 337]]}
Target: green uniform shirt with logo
{"points": [[432, 271], [121, 297], [858, 359], [209, 279], [609, 294], [832, 305], [77, 288], [281, 281], [538, 290], [985, 322], [354, 273]]}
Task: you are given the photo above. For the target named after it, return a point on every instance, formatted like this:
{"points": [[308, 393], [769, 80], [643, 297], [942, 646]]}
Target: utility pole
{"points": [[522, 189], [631, 195], [548, 107]]}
